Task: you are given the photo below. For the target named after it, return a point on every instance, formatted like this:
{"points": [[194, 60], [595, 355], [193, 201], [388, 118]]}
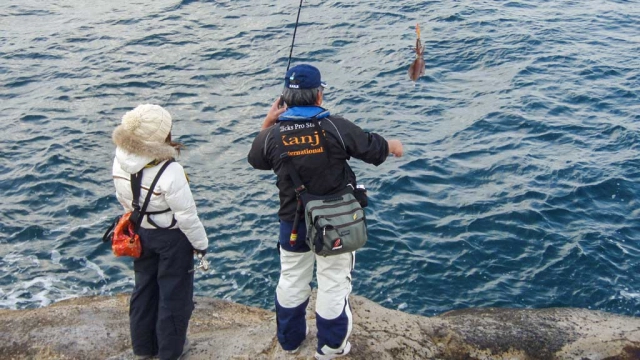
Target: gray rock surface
{"points": [[97, 328]]}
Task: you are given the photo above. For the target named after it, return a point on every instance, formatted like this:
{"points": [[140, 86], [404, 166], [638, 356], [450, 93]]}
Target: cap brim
{"points": [[324, 84]]}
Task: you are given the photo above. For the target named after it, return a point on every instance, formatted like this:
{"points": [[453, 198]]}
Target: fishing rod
{"points": [[293, 41], [295, 29], [294, 229]]}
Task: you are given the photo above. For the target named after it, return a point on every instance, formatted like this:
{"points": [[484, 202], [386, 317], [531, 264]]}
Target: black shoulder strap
{"points": [[288, 165], [136, 184], [137, 178]]}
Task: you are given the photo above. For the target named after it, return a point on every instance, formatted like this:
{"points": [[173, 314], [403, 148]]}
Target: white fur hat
{"points": [[148, 122], [143, 131]]}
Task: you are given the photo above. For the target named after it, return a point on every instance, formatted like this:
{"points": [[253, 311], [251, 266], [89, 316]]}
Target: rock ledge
{"points": [[97, 328]]}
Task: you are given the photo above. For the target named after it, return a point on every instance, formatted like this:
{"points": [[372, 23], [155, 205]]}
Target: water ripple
{"points": [[517, 188]]}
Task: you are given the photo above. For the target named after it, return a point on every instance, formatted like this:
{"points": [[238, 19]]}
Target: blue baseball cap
{"points": [[303, 77]]}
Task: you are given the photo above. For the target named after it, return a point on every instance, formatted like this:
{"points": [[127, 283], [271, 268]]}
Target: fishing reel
{"points": [[203, 264]]}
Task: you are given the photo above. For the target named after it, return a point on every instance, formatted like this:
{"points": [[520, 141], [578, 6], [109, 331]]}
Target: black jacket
{"points": [[319, 174]]}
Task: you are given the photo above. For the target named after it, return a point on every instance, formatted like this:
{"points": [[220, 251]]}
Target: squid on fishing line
{"points": [[417, 67]]}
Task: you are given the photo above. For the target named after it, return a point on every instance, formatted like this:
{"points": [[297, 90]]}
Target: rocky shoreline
{"points": [[97, 328]]}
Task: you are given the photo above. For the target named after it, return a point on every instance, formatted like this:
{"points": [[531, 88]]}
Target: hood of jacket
{"points": [[133, 154], [131, 163]]}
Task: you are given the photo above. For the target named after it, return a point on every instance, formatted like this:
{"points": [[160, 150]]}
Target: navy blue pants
{"points": [[162, 300]]}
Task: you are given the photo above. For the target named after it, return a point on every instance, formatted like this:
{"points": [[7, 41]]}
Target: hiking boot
{"points": [[295, 351], [332, 354]]}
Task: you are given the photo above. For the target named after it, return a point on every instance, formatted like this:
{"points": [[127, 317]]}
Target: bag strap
{"points": [[136, 184], [288, 164], [108, 235], [297, 182], [137, 178]]}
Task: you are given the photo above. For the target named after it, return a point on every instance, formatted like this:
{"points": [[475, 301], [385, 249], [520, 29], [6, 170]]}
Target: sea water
{"points": [[517, 188]]}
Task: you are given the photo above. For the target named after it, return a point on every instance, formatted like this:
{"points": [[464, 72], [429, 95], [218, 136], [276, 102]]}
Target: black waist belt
{"points": [[153, 223], [156, 212]]}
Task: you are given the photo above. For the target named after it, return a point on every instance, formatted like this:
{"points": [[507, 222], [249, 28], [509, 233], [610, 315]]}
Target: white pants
{"points": [[333, 313]]}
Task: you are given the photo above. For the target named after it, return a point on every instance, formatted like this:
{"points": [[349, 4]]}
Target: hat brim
{"points": [[324, 84]]}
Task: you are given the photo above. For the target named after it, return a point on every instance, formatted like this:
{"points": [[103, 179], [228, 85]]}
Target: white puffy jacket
{"points": [[171, 192]]}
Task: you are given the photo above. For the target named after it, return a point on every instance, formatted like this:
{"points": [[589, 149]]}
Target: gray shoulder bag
{"points": [[336, 223]]}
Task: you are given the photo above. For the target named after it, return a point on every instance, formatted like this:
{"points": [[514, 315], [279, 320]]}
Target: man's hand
{"points": [[395, 147], [273, 114]]}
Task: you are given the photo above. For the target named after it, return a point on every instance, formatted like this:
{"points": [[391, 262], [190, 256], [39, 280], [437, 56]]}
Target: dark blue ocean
{"points": [[522, 143]]}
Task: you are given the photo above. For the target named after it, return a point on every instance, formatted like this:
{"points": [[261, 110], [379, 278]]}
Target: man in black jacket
{"points": [[294, 127]]}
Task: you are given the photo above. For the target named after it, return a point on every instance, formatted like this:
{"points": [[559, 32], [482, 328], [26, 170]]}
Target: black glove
{"points": [[200, 252]]}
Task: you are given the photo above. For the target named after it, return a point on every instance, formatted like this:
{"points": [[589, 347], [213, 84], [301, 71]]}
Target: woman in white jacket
{"points": [[170, 232]]}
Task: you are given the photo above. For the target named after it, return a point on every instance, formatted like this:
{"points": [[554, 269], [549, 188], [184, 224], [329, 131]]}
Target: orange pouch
{"points": [[125, 241]]}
